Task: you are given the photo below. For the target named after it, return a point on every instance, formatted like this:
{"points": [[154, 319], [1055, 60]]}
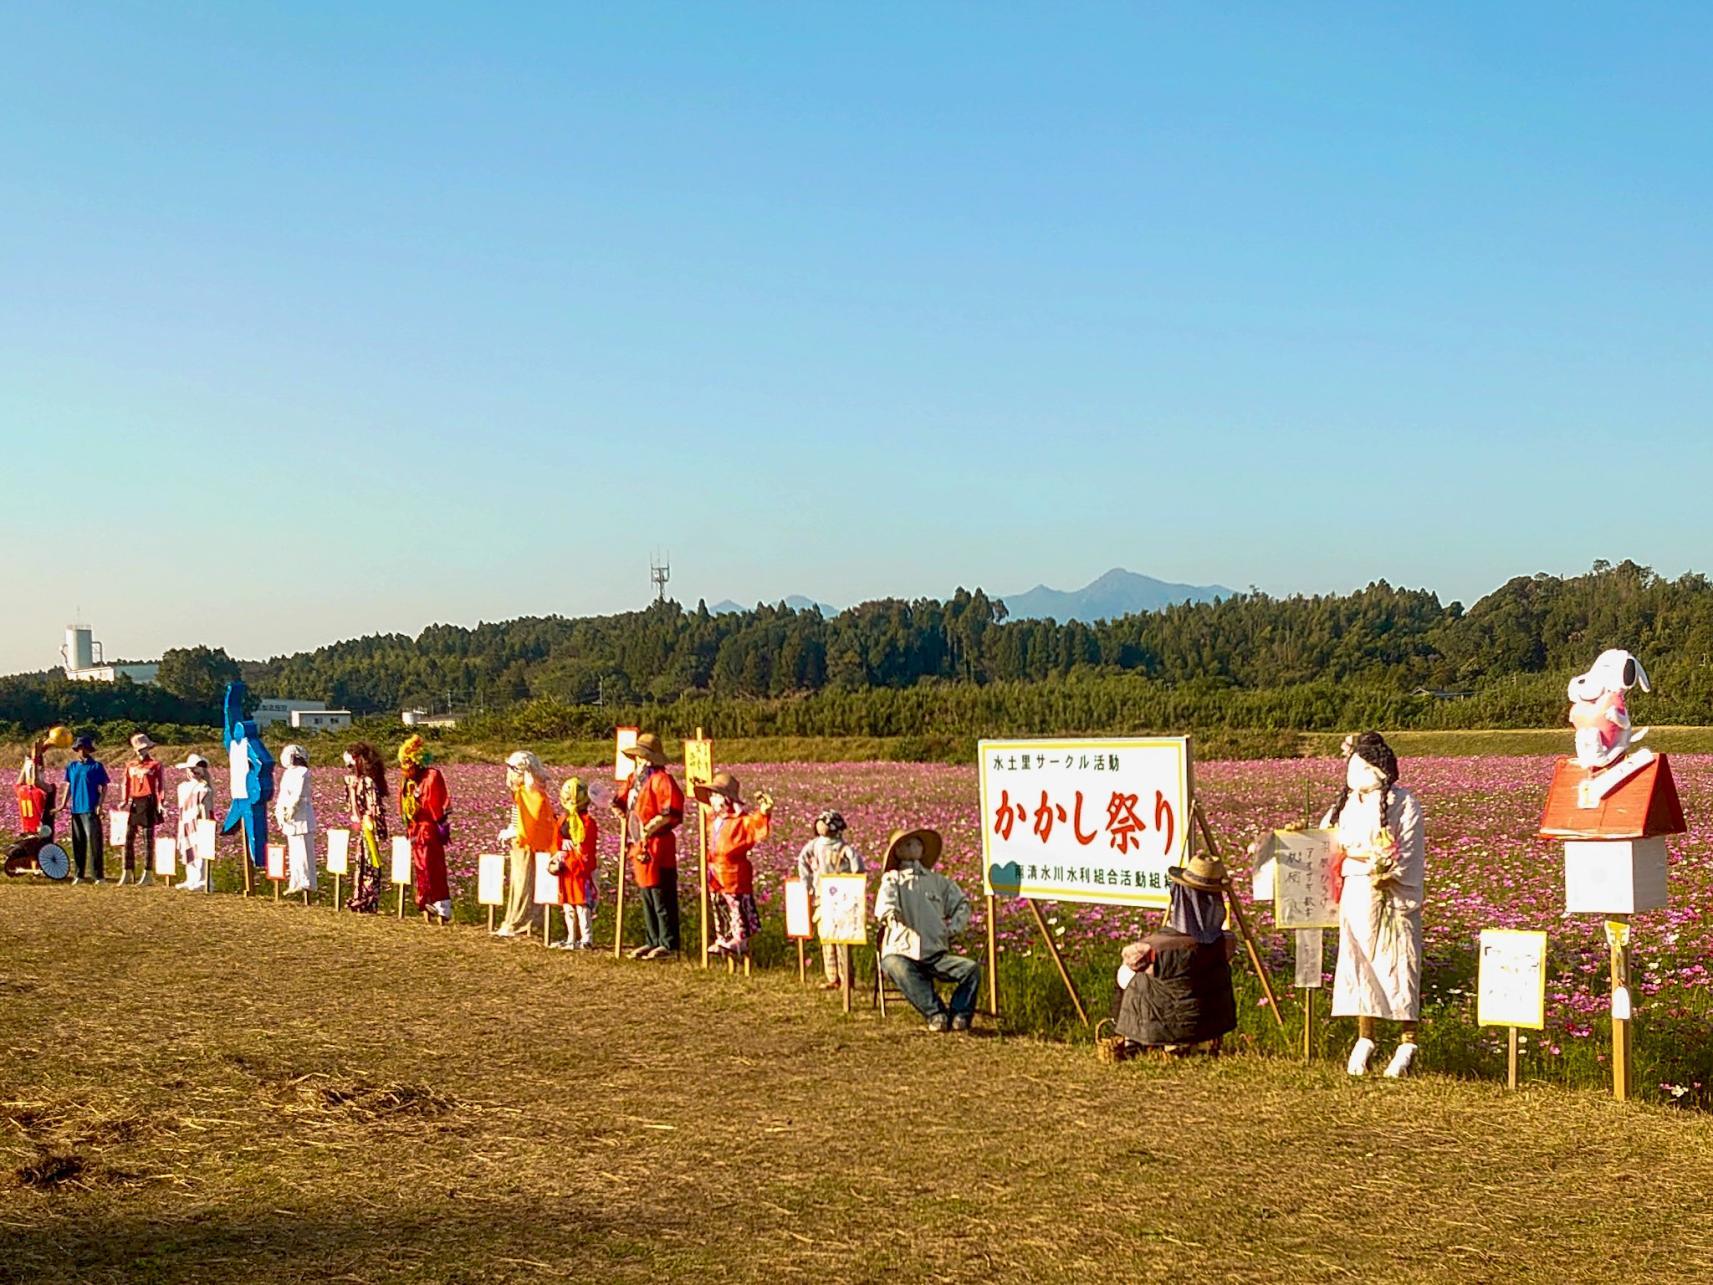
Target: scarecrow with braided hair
{"points": [[426, 809], [1377, 876]]}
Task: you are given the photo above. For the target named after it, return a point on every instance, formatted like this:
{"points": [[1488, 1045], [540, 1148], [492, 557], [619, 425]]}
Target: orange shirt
{"points": [[143, 779], [730, 839], [577, 864], [537, 828], [659, 796]]}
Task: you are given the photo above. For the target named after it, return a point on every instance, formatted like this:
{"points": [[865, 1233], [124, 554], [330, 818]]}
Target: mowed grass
{"points": [[216, 1089]]}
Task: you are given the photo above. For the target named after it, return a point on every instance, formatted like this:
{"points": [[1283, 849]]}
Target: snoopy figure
{"points": [[1598, 711]]}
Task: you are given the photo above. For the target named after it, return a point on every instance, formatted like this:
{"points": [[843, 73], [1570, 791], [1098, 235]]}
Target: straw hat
{"points": [[931, 845], [648, 749], [1202, 873], [721, 782], [58, 738]]}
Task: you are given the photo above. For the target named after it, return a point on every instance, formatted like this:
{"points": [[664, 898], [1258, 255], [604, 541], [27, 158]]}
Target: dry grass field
{"points": [[209, 1089]]}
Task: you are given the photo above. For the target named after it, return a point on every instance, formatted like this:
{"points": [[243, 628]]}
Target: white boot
{"points": [[1400, 1064], [124, 877], [1359, 1055]]}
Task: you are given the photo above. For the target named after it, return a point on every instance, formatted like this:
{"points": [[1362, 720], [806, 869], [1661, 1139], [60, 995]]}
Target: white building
{"points": [[277, 709], [85, 660], [320, 720]]}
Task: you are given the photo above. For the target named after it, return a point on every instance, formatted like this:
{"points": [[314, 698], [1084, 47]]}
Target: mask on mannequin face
{"points": [[1362, 776]]}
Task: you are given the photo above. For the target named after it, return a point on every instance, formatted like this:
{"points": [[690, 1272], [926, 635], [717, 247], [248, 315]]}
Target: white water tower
{"points": [[80, 649]]}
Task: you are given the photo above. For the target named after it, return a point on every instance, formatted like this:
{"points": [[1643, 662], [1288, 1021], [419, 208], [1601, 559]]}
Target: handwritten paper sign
{"points": [[546, 882], [118, 826], [276, 861], [338, 852], [1084, 820], [401, 859], [166, 857], [797, 925], [698, 763], [203, 844], [1511, 990], [623, 765], [843, 909], [491, 879], [1302, 879], [1311, 962]]}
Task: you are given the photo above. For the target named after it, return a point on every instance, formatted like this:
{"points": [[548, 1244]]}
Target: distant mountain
{"points": [[796, 601], [1117, 593]]}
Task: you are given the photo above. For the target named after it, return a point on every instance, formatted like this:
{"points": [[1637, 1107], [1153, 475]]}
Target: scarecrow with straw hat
{"points": [[1173, 989], [426, 808], [657, 803], [732, 832], [144, 787], [920, 911]]}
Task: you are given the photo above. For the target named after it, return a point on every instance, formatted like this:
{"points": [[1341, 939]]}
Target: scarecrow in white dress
{"points": [[1377, 874]]}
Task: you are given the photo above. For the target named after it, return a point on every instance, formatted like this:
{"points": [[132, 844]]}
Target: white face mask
{"points": [[1362, 776]]}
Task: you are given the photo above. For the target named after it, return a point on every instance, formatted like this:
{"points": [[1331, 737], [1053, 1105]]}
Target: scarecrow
{"points": [[426, 808]]}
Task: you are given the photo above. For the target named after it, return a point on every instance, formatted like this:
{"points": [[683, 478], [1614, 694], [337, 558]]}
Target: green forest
{"points": [[1381, 656]]}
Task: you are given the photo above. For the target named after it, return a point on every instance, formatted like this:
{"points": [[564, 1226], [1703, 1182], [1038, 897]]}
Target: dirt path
{"points": [[208, 1089]]}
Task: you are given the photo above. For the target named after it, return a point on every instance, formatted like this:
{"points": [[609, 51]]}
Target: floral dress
{"points": [[368, 807]]}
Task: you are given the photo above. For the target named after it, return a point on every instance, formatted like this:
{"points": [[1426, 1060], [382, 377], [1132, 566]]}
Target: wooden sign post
{"points": [[1511, 987], [1310, 959], [401, 871], [843, 901], [798, 926], [338, 861], [1294, 868], [491, 882], [244, 859], [623, 769], [699, 770], [547, 893], [276, 867], [1618, 941]]}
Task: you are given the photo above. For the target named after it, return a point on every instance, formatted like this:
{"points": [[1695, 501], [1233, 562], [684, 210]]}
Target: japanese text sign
{"points": [[338, 852], [797, 910], [1087, 821], [1302, 879], [1512, 986], [698, 763]]}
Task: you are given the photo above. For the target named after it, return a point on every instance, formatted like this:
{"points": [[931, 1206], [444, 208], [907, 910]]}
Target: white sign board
{"points": [[1302, 879], [546, 882], [797, 924], [166, 857], [491, 879], [1512, 986], [338, 852], [623, 765], [204, 839], [1084, 820], [401, 859], [843, 909], [276, 861], [1311, 957], [118, 826]]}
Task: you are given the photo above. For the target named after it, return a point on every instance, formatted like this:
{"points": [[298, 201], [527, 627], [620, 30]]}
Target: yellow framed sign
{"points": [[1512, 986], [698, 763], [1095, 821]]}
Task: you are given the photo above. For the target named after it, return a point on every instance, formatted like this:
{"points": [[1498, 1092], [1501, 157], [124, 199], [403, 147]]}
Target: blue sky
{"points": [[319, 320]]}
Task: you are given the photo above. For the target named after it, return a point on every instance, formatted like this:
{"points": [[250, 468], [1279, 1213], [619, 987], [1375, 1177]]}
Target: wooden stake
{"points": [[244, 859], [619, 900], [401, 901], [1058, 960], [276, 889], [547, 925], [706, 900], [993, 956], [1308, 1022], [337, 904], [845, 972], [1232, 901], [1621, 1034], [1511, 1077], [802, 965]]}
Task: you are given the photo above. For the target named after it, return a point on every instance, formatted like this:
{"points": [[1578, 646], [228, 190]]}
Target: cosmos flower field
{"points": [[1485, 869]]}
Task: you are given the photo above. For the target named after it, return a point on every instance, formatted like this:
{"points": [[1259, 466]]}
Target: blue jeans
{"points": [[916, 978]]}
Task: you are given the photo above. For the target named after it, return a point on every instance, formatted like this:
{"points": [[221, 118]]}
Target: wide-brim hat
{"points": [[1202, 873], [83, 743], [649, 749], [720, 783], [192, 760], [58, 737], [142, 741], [932, 845]]}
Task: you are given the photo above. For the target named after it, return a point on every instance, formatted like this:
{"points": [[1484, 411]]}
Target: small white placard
{"points": [[166, 856], [401, 859], [1311, 947], [546, 882], [204, 840], [1511, 987], [276, 861], [118, 825], [491, 879], [338, 852], [797, 925], [1621, 1004]]}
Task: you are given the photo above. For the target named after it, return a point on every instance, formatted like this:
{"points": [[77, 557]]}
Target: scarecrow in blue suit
{"points": [[252, 780]]}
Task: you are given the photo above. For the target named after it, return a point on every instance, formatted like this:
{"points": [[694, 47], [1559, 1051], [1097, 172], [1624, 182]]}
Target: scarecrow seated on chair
{"points": [[1173, 990], [920, 911]]}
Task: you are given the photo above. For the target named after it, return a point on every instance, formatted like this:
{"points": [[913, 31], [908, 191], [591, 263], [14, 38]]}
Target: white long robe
{"points": [[294, 809], [1379, 970]]}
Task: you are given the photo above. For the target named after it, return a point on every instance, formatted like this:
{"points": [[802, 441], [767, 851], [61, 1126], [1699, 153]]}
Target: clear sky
{"points": [[318, 319]]}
